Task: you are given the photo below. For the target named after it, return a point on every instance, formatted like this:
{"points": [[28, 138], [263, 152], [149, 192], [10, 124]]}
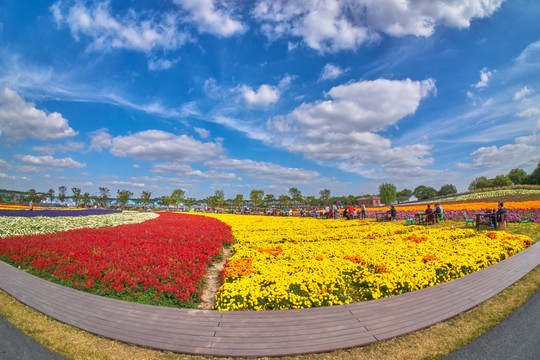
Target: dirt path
{"points": [[212, 281]]}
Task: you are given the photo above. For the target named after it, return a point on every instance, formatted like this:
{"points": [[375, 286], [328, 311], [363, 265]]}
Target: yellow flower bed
{"points": [[473, 206], [290, 263]]}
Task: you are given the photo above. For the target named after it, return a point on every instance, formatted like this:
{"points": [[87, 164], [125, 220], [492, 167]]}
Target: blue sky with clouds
{"points": [[266, 94]]}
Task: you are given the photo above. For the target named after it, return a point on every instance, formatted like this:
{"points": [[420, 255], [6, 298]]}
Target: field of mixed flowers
{"points": [[284, 263], [159, 261]]}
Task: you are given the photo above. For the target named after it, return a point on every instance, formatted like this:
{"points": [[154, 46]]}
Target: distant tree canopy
{"points": [[424, 192], [404, 195], [447, 189], [515, 176], [387, 192]]}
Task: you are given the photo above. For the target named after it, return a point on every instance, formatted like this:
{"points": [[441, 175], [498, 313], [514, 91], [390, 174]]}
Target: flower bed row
{"points": [[12, 226], [53, 213], [284, 263], [160, 261]]}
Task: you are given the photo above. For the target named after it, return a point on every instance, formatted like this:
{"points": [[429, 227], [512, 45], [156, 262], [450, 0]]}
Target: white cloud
{"points": [[186, 171], [331, 71], [202, 132], [212, 16], [533, 111], [264, 171], [70, 146], [485, 74], [522, 93], [334, 25], [266, 95], [162, 64], [132, 31], [362, 106], [158, 145], [47, 160], [506, 155], [20, 120], [10, 177], [100, 139], [125, 183], [4, 165]]}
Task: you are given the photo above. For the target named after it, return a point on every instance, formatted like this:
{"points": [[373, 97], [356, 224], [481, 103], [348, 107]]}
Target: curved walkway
{"points": [[265, 333]]}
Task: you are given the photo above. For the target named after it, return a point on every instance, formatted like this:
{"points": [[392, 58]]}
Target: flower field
{"points": [[55, 212], [16, 225], [292, 262], [159, 261], [455, 211]]}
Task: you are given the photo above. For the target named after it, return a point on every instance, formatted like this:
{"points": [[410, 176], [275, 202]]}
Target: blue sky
{"points": [[208, 95]]}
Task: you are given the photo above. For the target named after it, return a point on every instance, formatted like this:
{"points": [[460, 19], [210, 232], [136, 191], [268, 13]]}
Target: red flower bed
{"points": [[160, 261]]}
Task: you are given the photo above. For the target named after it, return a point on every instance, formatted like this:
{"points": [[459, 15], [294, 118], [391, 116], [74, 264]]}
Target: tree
{"points": [[165, 201], [190, 202], [269, 199], [216, 200], [310, 200], [387, 192], [256, 197], [50, 194], [424, 192], [123, 197], [85, 198], [295, 195], [481, 182], [62, 193], [325, 196], [177, 196], [518, 176], [404, 195], [284, 200], [33, 196], [239, 200], [104, 195], [502, 180], [447, 189], [76, 195], [146, 198], [534, 177]]}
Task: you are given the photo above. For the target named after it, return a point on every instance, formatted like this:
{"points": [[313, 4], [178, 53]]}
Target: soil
{"points": [[211, 285]]}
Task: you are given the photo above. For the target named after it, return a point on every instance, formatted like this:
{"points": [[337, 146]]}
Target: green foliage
{"points": [[501, 180], [404, 195], [256, 197], [534, 177], [62, 190], [295, 195], [424, 192], [325, 196], [146, 198], [104, 195], [518, 176], [387, 192], [76, 195], [123, 197], [481, 182], [447, 189]]}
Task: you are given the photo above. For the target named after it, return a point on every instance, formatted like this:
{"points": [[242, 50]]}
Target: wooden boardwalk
{"points": [[265, 333]]}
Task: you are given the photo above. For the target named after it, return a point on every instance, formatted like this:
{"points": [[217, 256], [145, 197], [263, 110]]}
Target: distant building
{"points": [[369, 201]]}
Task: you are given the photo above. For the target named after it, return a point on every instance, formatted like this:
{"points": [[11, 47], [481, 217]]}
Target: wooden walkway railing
{"points": [[265, 333]]}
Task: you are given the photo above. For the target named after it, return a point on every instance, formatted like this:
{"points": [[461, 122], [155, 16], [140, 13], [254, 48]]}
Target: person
{"points": [[334, 210], [363, 211], [429, 215], [31, 206], [499, 215], [351, 210], [438, 210], [392, 213]]}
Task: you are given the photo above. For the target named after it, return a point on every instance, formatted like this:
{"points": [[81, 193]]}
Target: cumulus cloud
{"points": [[532, 111], [4, 165], [212, 16], [485, 74], [265, 96], [334, 25], [100, 139], [202, 132], [331, 71], [363, 106], [265, 171], [11, 177], [139, 32], [157, 145], [20, 119], [47, 160], [490, 156]]}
